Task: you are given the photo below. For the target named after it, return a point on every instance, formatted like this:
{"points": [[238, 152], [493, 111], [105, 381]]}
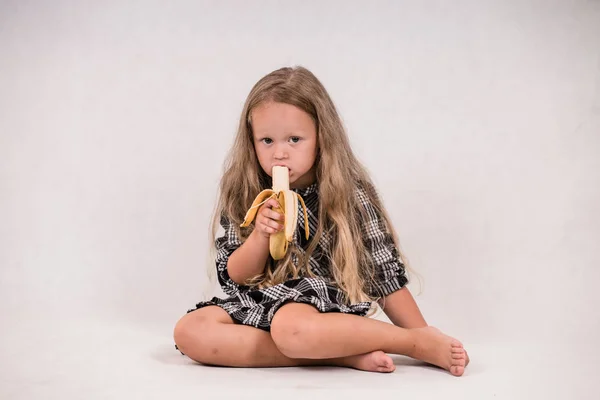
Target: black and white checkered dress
{"points": [[256, 307]]}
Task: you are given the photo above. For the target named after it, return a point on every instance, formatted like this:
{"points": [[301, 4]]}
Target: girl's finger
{"points": [[274, 215], [275, 225], [267, 228]]}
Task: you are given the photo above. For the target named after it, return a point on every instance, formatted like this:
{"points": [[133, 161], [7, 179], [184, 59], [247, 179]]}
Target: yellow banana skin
{"points": [[287, 201]]}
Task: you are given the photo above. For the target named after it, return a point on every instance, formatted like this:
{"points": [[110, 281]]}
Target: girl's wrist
{"points": [[260, 237]]}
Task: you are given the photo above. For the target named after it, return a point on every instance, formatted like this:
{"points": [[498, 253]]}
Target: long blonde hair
{"points": [[339, 175]]}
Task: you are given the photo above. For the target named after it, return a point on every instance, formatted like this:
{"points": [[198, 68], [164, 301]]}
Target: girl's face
{"points": [[285, 135]]}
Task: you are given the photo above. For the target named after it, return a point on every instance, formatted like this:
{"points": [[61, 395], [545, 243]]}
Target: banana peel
{"points": [[287, 205]]}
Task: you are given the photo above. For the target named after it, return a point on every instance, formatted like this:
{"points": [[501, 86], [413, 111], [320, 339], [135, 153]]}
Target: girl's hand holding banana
{"points": [[283, 202], [269, 221]]}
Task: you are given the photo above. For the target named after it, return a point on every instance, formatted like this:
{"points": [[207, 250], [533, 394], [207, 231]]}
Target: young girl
{"points": [[311, 307]]}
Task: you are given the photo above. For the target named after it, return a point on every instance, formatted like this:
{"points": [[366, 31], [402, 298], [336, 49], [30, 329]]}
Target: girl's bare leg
{"points": [[209, 336], [301, 331]]}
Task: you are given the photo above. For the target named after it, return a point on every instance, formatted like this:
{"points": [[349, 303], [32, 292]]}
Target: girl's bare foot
{"points": [[375, 361], [434, 347]]}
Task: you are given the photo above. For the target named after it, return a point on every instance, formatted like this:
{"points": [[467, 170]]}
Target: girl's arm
{"points": [[249, 259], [402, 310]]}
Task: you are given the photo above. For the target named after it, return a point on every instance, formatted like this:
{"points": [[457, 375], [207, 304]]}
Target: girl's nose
{"points": [[280, 153]]}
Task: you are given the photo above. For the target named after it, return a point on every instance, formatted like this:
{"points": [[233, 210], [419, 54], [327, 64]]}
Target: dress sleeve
{"points": [[389, 274], [226, 245]]}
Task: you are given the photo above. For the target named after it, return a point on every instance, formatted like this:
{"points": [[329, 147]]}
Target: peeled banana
{"points": [[288, 206]]}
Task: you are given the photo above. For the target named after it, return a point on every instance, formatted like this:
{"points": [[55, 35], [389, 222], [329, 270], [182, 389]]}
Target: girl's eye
{"points": [[294, 139]]}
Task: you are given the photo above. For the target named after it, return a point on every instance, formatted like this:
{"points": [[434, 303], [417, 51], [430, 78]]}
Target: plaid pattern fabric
{"points": [[256, 307]]}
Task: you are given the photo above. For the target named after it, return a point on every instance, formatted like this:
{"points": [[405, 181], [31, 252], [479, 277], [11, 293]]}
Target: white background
{"points": [[479, 121]]}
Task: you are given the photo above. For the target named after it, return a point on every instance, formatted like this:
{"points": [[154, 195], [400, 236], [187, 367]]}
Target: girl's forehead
{"points": [[280, 117]]}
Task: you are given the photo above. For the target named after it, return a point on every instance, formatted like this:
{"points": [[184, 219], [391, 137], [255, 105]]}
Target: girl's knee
{"points": [[294, 329], [187, 329], [192, 331]]}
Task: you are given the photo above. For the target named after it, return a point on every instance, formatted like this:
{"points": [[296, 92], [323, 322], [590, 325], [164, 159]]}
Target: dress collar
{"points": [[313, 188]]}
